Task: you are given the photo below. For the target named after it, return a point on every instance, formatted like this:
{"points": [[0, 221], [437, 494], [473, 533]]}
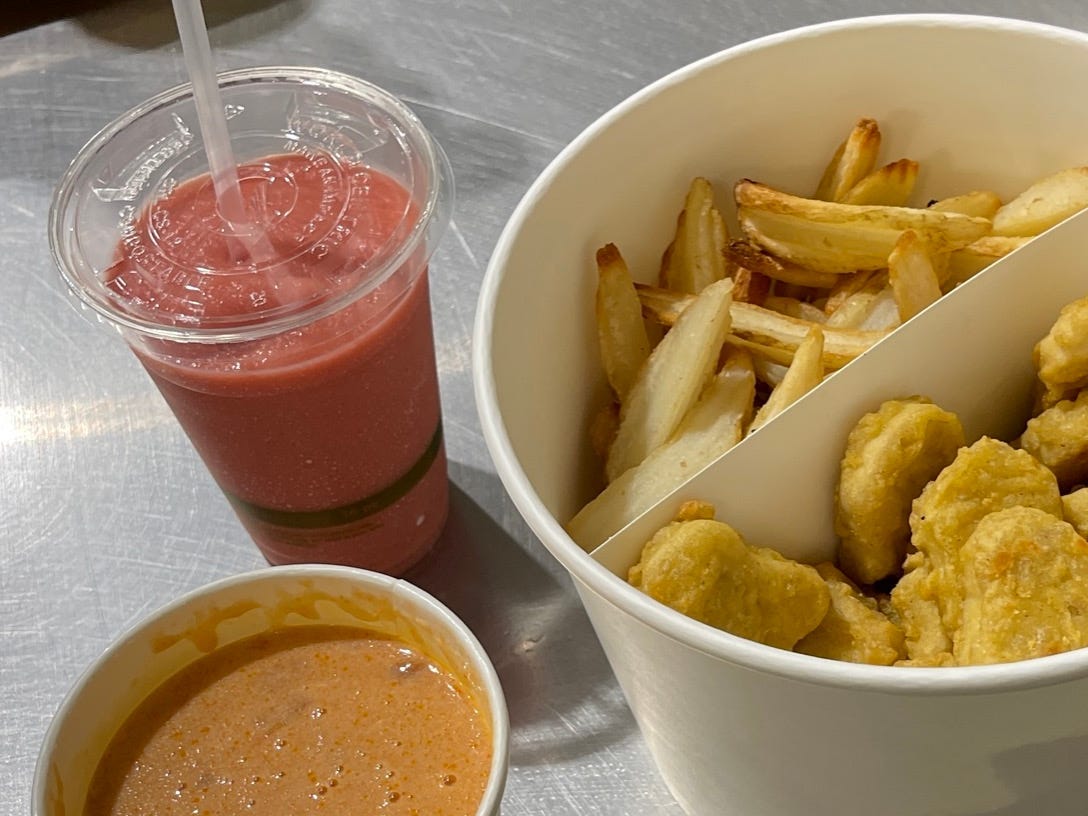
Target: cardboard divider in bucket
{"points": [[970, 352]]}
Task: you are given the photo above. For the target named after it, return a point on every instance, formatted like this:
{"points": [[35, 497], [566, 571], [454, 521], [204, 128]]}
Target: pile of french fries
{"points": [[749, 324]]}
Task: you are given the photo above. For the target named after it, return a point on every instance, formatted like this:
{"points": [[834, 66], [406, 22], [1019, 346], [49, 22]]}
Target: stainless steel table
{"points": [[105, 511]]}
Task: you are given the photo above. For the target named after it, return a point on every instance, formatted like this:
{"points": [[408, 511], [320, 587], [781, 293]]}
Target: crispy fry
{"points": [[850, 305], [747, 255], [843, 238], [763, 326], [662, 306], [695, 260], [804, 374], [965, 263], [714, 424], [852, 310], [852, 161], [870, 280], [1044, 203], [672, 378], [750, 287], [890, 186], [979, 203], [882, 313], [911, 275], [620, 328], [770, 372], [603, 427], [770, 354], [793, 307]]}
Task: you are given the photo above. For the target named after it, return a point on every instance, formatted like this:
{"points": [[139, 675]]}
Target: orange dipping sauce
{"points": [[309, 719]]}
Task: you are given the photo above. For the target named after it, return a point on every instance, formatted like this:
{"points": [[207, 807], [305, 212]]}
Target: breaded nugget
{"points": [[1075, 510], [853, 629], [1025, 589], [704, 569], [1058, 438], [985, 477], [1061, 358], [891, 454]]}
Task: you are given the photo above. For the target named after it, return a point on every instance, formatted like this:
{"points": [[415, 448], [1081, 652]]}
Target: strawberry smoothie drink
{"points": [[295, 350]]}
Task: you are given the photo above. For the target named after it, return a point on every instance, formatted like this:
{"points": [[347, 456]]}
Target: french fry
{"points": [[662, 306], [712, 426], [672, 377], [749, 286], [793, 307], [1044, 204], [853, 160], [882, 314], [852, 310], [848, 285], [602, 428], [694, 260], [804, 374], [746, 255], [842, 238], [911, 275], [979, 203], [762, 326], [771, 354], [973, 258], [769, 371], [621, 331], [840, 346], [873, 308], [890, 185]]}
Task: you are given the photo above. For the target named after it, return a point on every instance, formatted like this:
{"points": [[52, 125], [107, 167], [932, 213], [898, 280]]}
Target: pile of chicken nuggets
{"points": [[950, 554]]}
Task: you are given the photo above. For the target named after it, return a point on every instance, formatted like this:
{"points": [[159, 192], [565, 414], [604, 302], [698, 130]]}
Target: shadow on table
{"points": [[150, 23], [563, 699]]}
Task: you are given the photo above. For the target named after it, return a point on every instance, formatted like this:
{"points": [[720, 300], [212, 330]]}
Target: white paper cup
{"points": [[238, 607], [736, 727]]}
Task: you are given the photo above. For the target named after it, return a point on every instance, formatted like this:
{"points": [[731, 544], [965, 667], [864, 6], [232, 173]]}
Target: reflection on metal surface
{"points": [[78, 420]]}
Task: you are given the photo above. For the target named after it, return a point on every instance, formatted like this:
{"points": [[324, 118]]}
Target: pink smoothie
{"points": [[327, 436]]}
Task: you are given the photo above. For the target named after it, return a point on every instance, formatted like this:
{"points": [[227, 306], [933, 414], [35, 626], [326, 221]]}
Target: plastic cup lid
{"points": [[341, 183]]}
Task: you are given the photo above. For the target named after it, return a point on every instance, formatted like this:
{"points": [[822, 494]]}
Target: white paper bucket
{"points": [[736, 727]]}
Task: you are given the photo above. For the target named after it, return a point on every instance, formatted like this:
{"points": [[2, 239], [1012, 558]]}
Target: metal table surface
{"points": [[105, 511]]}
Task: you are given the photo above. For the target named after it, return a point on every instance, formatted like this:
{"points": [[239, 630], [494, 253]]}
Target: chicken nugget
{"points": [[854, 628], [1025, 589], [891, 454], [985, 477], [1075, 510], [703, 569], [1058, 438], [1061, 358]]}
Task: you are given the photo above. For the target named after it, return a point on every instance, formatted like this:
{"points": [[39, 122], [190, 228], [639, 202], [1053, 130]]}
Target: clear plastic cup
{"points": [[296, 351]]}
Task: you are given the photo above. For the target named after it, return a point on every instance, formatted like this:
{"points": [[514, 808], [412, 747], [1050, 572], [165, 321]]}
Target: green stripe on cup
{"points": [[347, 513]]}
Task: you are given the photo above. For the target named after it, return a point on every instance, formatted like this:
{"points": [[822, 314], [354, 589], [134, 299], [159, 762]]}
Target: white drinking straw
{"points": [[213, 127]]}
